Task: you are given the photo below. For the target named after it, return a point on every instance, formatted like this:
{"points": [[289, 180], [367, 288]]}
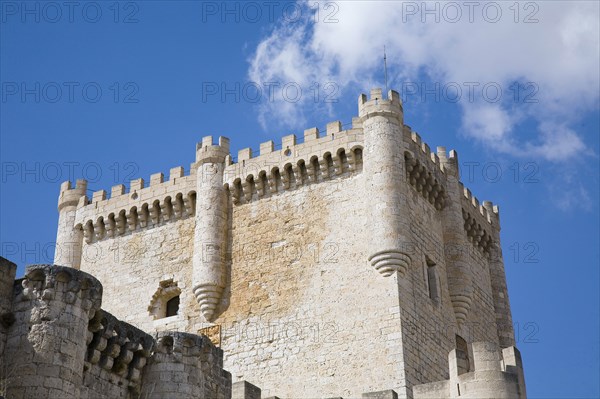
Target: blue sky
{"points": [[114, 91]]}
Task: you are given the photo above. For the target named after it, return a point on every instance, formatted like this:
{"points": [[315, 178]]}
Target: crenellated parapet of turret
{"points": [[185, 366], [52, 307]]}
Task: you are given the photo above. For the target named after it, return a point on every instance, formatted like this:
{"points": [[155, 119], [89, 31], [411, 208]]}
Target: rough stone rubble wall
{"points": [[60, 344]]}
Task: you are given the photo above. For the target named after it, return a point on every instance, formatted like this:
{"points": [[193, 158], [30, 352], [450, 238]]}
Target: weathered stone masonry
{"points": [[353, 262], [59, 343]]}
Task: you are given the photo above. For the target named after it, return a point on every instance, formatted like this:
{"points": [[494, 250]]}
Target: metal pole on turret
{"points": [[385, 69]]}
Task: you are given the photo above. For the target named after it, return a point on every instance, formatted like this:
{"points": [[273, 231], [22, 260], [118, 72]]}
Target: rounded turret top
{"points": [[376, 104], [206, 151], [70, 196]]}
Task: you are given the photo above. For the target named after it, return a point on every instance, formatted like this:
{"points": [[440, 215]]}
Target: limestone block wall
{"points": [[132, 267], [306, 314], [302, 238], [429, 327]]}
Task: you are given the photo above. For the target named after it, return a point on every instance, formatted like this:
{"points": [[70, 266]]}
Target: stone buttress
{"points": [[506, 334], [456, 246]]}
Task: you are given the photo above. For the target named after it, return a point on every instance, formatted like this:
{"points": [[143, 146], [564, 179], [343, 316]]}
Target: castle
{"points": [[350, 263]]}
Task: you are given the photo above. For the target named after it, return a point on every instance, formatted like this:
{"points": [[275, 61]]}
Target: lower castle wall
{"points": [[495, 373], [101, 384], [62, 345]]}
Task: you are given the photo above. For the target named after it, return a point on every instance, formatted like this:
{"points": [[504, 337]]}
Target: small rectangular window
{"points": [[173, 306], [462, 355], [432, 280]]}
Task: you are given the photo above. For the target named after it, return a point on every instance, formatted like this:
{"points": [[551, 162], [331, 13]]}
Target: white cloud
{"points": [[559, 54]]}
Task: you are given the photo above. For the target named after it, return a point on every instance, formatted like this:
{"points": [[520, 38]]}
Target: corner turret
{"points": [[69, 239], [53, 308], [207, 152], [494, 373], [458, 265], [382, 122], [377, 105], [185, 366], [504, 324], [210, 244]]}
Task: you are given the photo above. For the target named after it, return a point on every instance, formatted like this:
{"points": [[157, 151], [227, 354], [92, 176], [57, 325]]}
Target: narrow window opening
{"points": [[462, 355], [358, 159], [172, 306], [432, 280], [237, 189], [278, 181], [251, 188]]}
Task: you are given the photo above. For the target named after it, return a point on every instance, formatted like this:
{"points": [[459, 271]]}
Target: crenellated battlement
{"points": [[116, 352], [50, 283], [70, 196], [376, 104], [421, 151], [185, 365], [319, 158], [207, 151], [487, 211], [480, 221], [139, 208], [296, 163], [147, 208], [486, 371]]}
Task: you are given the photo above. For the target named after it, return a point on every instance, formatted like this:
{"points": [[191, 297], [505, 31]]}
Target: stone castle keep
{"points": [[350, 263]]}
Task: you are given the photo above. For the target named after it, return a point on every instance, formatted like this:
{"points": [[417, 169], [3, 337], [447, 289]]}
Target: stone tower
{"points": [[340, 263], [69, 238], [382, 122], [209, 273]]}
